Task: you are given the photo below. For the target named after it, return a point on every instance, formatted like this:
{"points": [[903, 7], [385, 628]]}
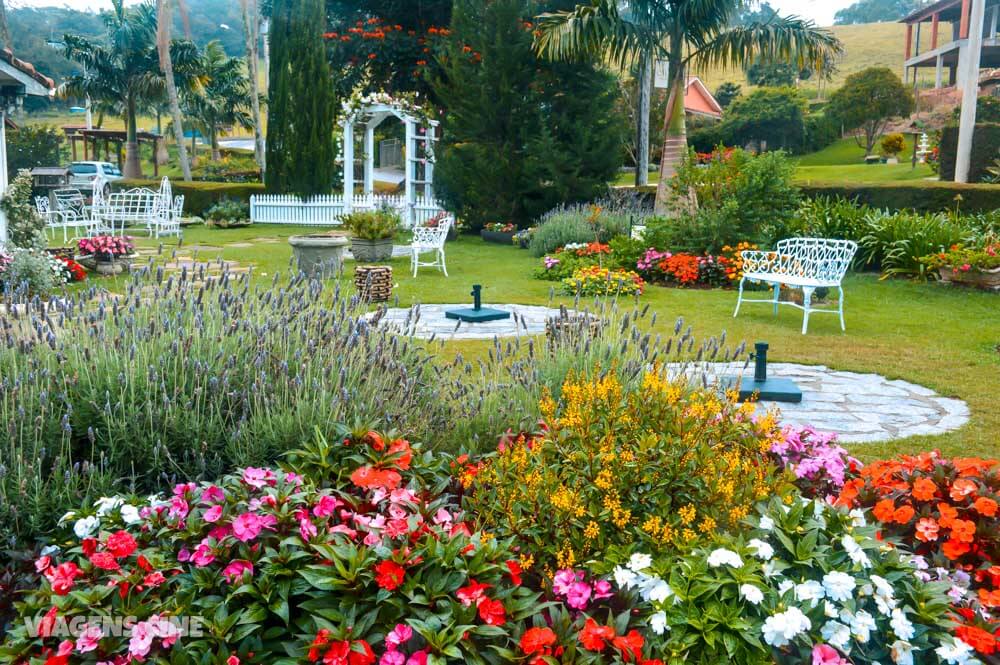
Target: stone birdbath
{"points": [[319, 255]]}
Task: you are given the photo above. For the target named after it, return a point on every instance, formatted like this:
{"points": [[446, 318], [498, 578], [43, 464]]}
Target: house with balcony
{"points": [[937, 38]]}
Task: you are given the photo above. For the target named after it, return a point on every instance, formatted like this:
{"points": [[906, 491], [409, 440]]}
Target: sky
{"points": [[820, 11]]}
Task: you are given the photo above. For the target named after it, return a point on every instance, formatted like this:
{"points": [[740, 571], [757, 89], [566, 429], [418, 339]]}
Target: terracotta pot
{"points": [[981, 279], [497, 237]]}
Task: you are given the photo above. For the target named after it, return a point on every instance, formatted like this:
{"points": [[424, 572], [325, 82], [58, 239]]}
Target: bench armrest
{"points": [[759, 261]]}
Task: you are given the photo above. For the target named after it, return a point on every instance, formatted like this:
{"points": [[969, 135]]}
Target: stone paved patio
{"points": [[525, 320], [860, 408]]}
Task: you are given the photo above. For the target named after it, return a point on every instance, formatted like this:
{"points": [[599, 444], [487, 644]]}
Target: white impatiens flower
{"points": [[766, 523], [858, 518], [639, 562], [770, 569], [836, 634], [625, 578], [955, 653], [830, 610], [902, 652], [752, 594], [785, 586], [130, 514], [901, 625], [724, 557], [854, 551], [658, 623], [67, 517], [884, 600], [839, 586], [85, 526], [106, 504], [656, 590], [862, 625], [782, 628], [762, 550], [811, 590]]}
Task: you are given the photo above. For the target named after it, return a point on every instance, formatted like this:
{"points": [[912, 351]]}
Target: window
{"points": [[111, 169], [82, 169]]}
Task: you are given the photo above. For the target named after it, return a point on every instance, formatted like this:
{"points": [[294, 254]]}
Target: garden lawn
{"points": [[945, 338]]}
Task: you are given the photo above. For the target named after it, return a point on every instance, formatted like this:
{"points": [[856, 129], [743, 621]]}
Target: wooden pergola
{"points": [[113, 142]]}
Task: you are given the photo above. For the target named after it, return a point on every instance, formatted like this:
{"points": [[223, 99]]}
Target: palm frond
{"points": [[784, 39], [597, 28]]}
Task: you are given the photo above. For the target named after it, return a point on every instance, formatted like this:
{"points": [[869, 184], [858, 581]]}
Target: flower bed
{"points": [[973, 266]]}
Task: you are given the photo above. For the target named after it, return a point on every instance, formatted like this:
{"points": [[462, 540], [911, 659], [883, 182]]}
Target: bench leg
{"points": [[444, 268], [777, 294], [807, 292], [843, 328], [739, 298]]}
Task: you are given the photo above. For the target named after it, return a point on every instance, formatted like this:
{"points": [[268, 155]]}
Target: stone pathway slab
{"points": [[425, 321]]}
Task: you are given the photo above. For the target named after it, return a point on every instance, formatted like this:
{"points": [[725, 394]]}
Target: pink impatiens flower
{"points": [[237, 569], [213, 494], [89, 638], [255, 477], [247, 526], [823, 654], [602, 589], [563, 580], [578, 595], [325, 506], [141, 640], [398, 636], [213, 514], [203, 555]]}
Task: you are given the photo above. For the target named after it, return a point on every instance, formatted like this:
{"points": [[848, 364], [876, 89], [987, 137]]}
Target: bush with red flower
{"points": [[106, 248]]}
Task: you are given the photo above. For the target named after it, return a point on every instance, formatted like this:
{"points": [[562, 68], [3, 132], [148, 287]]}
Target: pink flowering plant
{"points": [[369, 562], [818, 463], [106, 247]]}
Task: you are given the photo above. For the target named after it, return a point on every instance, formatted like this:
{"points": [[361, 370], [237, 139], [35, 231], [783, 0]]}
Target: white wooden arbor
{"points": [[418, 151]]}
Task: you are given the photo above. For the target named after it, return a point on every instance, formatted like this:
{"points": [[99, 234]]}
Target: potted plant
{"points": [[522, 238], [970, 266], [228, 214], [107, 255], [372, 233], [499, 232], [892, 145], [436, 220]]}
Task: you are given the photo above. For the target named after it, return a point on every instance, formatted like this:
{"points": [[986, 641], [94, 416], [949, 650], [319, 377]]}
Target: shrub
{"points": [[228, 210], [921, 195], [985, 145], [29, 146], [244, 373], [741, 197], [106, 247], [808, 583], [29, 273], [600, 221], [372, 225], [821, 131], [597, 281], [965, 259], [657, 465], [831, 217], [893, 144], [25, 226], [773, 118], [896, 242], [276, 567]]}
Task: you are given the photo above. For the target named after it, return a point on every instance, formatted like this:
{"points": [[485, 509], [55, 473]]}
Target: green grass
{"points": [[861, 173], [940, 337]]}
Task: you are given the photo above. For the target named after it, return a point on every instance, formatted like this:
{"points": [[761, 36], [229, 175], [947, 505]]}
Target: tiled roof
{"points": [[8, 56]]}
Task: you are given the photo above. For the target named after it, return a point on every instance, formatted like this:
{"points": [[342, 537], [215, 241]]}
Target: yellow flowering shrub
{"points": [[662, 465]]}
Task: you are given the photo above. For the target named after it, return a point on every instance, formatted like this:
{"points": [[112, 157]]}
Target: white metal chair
{"points": [[427, 239], [801, 263], [54, 219]]}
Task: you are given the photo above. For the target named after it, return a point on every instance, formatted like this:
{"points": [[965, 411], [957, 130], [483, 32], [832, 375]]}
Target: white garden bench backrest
{"points": [[431, 237], [70, 201], [821, 259], [179, 207], [42, 205]]}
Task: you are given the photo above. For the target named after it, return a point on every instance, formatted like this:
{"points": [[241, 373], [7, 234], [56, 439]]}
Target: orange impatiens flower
{"points": [[927, 530], [962, 488], [985, 506], [924, 489], [989, 598], [948, 515], [963, 531], [903, 515], [885, 510], [954, 549]]}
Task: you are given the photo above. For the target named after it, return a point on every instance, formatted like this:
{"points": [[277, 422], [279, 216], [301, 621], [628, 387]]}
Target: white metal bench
{"points": [[428, 239], [801, 263]]}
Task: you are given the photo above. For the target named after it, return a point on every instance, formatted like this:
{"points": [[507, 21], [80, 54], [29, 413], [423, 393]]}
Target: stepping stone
{"points": [[240, 245]]}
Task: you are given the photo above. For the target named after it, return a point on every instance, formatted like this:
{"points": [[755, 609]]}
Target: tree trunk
{"points": [[133, 169], [251, 20], [214, 138], [642, 121], [163, 17], [674, 138]]}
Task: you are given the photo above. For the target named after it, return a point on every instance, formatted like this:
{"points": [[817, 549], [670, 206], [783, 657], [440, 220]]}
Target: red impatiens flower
{"points": [[492, 612], [104, 561], [629, 645], [473, 594], [594, 637], [121, 544], [62, 577], [537, 640], [389, 575], [954, 549], [369, 478], [515, 570], [977, 638]]}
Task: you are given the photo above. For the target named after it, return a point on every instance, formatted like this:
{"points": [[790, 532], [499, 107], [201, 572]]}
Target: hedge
{"points": [[985, 150], [920, 195], [199, 195]]}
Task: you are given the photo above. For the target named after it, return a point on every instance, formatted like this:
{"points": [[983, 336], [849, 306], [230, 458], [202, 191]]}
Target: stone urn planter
{"points": [[981, 279], [498, 237], [107, 265], [319, 255], [371, 251]]}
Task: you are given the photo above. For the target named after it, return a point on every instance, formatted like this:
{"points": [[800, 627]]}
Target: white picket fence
{"points": [[328, 210]]}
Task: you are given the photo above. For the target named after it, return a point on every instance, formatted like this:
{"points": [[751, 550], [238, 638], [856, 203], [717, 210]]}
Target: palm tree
{"points": [[225, 97], [121, 73], [687, 33], [251, 32], [163, 19]]}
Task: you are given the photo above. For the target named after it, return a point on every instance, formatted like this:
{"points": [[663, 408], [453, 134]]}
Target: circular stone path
{"points": [[859, 408], [524, 320]]}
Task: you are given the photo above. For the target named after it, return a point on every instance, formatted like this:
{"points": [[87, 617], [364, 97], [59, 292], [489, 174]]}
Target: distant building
{"points": [[937, 36], [698, 101]]}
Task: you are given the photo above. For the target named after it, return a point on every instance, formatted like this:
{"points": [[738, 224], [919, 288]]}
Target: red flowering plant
{"points": [[106, 247], [74, 272], [946, 512], [269, 565]]}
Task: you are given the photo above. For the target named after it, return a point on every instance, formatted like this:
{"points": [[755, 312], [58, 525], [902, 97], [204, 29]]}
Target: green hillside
{"points": [[870, 45]]}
